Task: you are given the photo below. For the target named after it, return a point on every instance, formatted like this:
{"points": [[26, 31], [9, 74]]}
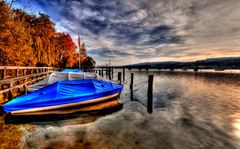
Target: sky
{"points": [[134, 31]]}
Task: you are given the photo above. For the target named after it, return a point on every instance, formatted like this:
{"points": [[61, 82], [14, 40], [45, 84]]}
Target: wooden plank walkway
{"points": [[15, 79]]}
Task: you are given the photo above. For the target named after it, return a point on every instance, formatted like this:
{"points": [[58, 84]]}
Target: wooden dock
{"points": [[14, 80]]}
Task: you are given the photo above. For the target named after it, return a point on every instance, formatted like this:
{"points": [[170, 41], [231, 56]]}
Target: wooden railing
{"points": [[14, 80]]}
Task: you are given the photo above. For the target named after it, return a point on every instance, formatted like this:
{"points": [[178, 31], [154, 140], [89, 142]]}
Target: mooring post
{"points": [[109, 73], [112, 72], [120, 77], [131, 86], [123, 74], [150, 94], [131, 83], [106, 72]]}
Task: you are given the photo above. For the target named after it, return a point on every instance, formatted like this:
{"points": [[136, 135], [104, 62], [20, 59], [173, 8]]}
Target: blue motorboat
{"points": [[66, 96]]}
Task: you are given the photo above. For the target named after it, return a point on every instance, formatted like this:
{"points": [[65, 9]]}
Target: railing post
{"points": [[47, 71], [24, 72], [17, 72], [4, 73], [10, 95], [150, 94], [37, 70], [120, 77], [25, 89]]}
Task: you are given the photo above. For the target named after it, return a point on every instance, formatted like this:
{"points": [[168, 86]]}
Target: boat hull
{"points": [[101, 103]]}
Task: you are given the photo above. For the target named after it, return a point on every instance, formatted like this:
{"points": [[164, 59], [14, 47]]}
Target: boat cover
{"points": [[63, 92], [58, 76]]}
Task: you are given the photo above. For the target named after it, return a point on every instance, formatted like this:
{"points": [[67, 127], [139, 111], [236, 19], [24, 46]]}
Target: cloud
{"points": [[147, 30]]}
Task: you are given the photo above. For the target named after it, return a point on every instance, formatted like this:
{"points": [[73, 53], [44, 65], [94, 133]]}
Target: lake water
{"points": [[190, 111]]}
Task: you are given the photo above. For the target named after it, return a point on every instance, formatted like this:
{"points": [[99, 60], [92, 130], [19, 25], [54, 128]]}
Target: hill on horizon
{"points": [[209, 63]]}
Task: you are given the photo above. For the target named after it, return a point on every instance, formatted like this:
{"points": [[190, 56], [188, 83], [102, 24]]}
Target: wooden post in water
{"points": [[131, 83], [109, 73], [112, 72], [102, 71], [120, 77], [123, 74], [106, 73], [150, 94], [131, 86]]}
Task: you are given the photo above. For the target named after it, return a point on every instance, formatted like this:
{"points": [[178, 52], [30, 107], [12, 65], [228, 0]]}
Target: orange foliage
{"points": [[27, 40]]}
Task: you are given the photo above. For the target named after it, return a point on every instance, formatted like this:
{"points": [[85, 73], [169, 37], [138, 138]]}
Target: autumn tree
{"points": [[15, 39], [27, 40], [69, 56], [43, 31]]}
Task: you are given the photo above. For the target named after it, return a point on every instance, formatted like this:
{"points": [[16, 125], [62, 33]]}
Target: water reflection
{"points": [[236, 125], [208, 98], [190, 111]]}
